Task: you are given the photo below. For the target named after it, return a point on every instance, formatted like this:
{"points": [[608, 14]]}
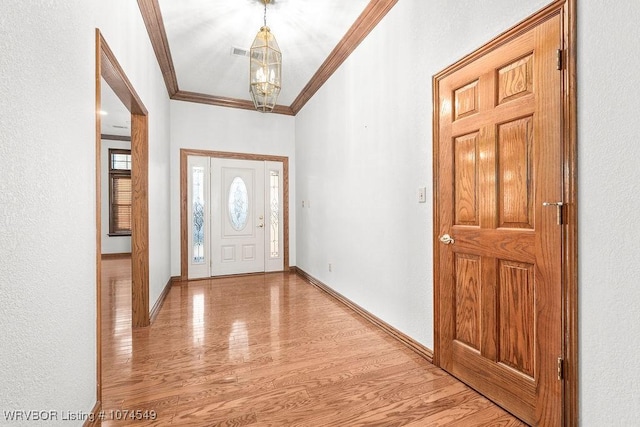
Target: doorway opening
{"points": [[108, 68]]}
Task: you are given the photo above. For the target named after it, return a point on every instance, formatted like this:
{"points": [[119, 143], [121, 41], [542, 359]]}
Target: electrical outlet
{"points": [[303, 203], [330, 267]]}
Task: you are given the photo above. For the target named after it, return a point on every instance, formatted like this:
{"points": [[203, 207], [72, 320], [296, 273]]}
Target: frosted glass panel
{"points": [[198, 215], [274, 217], [238, 204]]}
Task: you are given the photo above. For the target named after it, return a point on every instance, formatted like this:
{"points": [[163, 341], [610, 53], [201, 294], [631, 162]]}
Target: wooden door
{"points": [[498, 152]]}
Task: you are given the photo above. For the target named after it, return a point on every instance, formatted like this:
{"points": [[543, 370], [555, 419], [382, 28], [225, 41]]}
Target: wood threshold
{"points": [[366, 22], [184, 154], [403, 338]]}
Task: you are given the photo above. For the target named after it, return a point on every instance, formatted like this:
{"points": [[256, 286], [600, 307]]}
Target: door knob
{"points": [[259, 225], [447, 240]]}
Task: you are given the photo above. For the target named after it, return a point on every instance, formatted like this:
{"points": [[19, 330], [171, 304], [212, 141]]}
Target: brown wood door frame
{"points": [[184, 154], [107, 67], [566, 9]]}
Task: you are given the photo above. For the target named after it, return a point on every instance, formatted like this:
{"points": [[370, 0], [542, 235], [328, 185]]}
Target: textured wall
{"points": [[609, 199], [47, 193], [363, 147], [47, 207], [206, 127]]}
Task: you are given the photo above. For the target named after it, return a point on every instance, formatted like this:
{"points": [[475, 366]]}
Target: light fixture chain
{"points": [[265, 13]]}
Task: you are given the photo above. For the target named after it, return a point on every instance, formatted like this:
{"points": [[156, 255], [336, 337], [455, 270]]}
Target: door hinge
{"points": [[560, 368], [560, 59]]}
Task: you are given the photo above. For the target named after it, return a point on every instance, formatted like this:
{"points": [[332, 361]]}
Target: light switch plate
{"points": [[422, 195]]}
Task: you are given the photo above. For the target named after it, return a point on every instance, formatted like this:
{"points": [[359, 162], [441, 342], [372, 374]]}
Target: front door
{"points": [[239, 216], [235, 216], [498, 214]]}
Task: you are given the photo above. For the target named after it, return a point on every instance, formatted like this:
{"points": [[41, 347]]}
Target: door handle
{"points": [[259, 225], [447, 240], [558, 206]]}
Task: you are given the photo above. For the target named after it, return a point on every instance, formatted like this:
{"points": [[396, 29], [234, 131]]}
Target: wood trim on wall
{"points": [[94, 418], [367, 21], [155, 310], [567, 9], [152, 17], [220, 101], [116, 255], [399, 336], [139, 221], [98, 190], [108, 68], [184, 153], [116, 78], [115, 137], [571, 380]]}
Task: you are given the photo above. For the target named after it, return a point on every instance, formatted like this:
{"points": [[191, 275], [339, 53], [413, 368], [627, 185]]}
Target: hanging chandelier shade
{"points": [[265, 69]]}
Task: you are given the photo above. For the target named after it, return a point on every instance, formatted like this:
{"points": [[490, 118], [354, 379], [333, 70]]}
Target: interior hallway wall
{"points": [[47, 192], [363, 147], [213, 128]]}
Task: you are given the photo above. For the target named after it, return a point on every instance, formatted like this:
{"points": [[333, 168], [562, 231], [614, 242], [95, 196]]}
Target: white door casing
{"points": [[239, 229]]}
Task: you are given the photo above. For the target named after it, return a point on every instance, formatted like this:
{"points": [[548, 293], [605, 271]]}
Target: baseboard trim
{"points": [[158, 305], [94, 419], [116, 255], [293, 269], [418, 348]]}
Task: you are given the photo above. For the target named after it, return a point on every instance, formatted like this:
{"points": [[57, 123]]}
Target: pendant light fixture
{"points": [[265, 69]]}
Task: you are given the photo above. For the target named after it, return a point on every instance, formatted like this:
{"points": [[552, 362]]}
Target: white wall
{"points": [[110, 244], [207, 127], [609, 199], [122, 26], [47, 192], [363, 147]]}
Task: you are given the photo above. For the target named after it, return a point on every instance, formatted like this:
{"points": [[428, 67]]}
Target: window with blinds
{"points": [[119, 192]]}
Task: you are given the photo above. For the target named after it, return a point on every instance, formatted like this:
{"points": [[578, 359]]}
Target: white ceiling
{"points": [[201, 34], [115, 119]]}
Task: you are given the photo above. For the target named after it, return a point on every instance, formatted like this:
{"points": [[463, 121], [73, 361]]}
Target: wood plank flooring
{"points": [[268, 350]]}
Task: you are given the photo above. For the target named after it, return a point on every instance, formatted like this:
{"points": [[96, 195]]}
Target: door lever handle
{"points": [[447, 240], [558, 206]]}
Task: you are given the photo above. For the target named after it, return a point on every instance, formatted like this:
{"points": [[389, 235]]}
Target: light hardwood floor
{"points": [[268, 350]]}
